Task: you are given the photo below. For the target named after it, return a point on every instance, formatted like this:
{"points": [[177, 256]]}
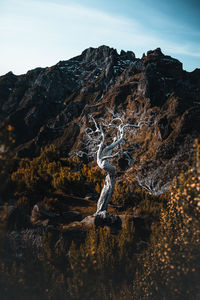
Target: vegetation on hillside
{"points": [[169, 269], [105, 265]]}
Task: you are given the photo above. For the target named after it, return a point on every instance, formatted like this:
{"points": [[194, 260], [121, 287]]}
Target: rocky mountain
{"points": [[52, 105]]}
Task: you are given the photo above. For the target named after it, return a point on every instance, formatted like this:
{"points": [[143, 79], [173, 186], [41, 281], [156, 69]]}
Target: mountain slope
{"points": [[51, 105]]}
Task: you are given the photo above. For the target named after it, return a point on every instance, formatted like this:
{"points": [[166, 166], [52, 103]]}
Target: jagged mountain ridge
{"points": [[51, 105]]}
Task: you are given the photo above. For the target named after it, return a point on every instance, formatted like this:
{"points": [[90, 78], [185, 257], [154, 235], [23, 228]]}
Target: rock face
{"points": [[51, 105], [43, 217]]}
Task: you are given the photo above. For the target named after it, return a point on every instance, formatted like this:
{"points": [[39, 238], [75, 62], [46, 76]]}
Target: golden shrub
{"points": [[168, 269], [102, 264]]}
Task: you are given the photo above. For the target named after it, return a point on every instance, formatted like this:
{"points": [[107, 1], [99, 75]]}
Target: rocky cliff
{"points": [[51, 105]]}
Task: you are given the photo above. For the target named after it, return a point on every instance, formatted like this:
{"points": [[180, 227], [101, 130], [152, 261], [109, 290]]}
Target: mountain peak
{"points": [[105, 53], [99, 54], [157, 52], [52, 105]]}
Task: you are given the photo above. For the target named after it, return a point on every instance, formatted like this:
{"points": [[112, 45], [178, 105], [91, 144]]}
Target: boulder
{"points": [[40, 216], [111, 221]]}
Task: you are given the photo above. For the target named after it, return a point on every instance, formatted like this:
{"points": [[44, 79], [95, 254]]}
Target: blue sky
{"points": [[37, 33]]}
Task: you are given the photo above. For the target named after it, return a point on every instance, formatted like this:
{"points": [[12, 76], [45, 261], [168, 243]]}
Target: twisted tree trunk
{"points": [[106, 194], [104, 154]]}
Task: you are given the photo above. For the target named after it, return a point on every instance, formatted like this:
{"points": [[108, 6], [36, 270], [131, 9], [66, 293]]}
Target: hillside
{"points": [[52, 105], [54, 246]]}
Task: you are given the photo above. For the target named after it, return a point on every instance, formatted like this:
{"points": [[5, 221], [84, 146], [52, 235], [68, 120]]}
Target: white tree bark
{"points": [[105, 195], [104, 154], [95, 143]]}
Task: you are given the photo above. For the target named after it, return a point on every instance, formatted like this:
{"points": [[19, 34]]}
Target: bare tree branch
{"points": [[96, 138]]}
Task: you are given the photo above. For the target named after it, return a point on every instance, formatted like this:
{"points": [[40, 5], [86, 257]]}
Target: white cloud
{"points": [[36, 33], [184, 49]]}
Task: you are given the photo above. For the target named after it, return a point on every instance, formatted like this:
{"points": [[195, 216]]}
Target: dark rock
{"points": [[51, 105], [114, 222], [40, 216], [155, 53]]}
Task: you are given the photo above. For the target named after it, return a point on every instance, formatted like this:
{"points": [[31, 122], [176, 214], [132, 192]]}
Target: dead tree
{"points": [[96, 143]]}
